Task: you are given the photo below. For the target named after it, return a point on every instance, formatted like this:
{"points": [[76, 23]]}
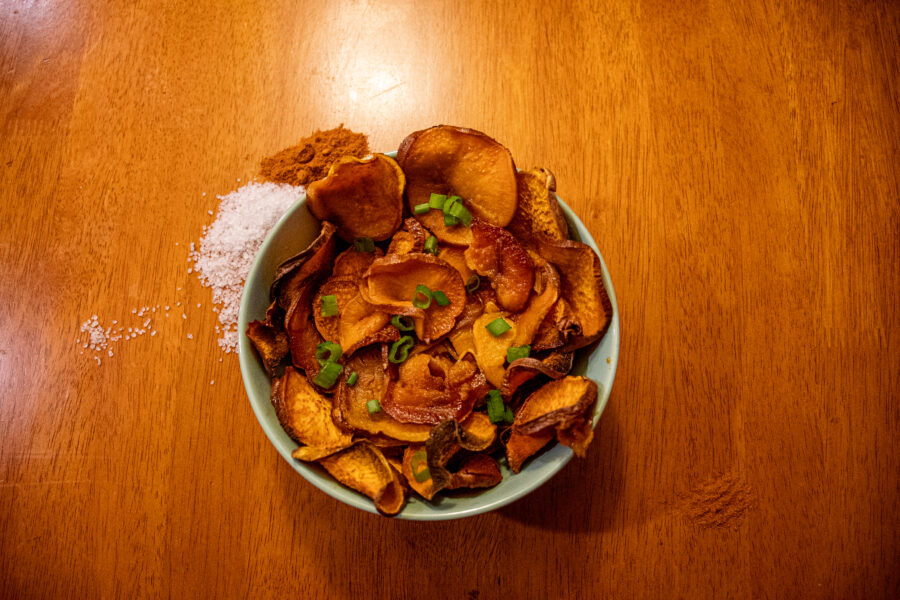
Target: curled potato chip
{"points": [[490, 349], [390, 285], [557, 404], [539, 304], [425, 487], [577, 435], [520, 446], [269, 340], [363, 197], [462, 162], [476, 471], [296, 274], [581, 279], [560, 325], [411, 239], [494, 253], [456, 257], [305, 414], [373, 381], [520, 371], [431, 389], [357, 323], [352, 263], [364, 468], [447, 438], [538, 213]]}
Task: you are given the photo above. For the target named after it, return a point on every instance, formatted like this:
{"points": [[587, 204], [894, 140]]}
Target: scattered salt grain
{"points": [[229, 245], [190, 336], [152, 333]]}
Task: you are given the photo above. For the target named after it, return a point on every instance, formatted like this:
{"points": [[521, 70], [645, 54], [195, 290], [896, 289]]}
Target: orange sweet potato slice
{"points": [[557, 404], [363, 197], [351, 263], [577, 435], [357, 323], [295, 275], [477, 471], [373, 381], [581, 280], [559, 326], [462, 162], [410, 239], [269, 338], [538, 213], [523, 370], [305, 414], [494, 253], [364, 468], [456, 257], [520, 447], [390, 285], [448, 437], [490, 350], [431, 389], [424, 488], [546, 289]]}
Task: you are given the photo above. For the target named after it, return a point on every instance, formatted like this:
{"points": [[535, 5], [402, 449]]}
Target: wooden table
{"points": [[737, 163]]}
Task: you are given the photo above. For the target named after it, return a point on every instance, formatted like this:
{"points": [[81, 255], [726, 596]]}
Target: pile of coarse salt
{"points": [[99, 339], [226, 250]]}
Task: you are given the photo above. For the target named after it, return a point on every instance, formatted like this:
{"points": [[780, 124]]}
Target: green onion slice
{"points": [[328, 376], [400, 349], [450, 220], [351, 381], [364, 244], [422, 297], [329, 306], [440, 297], [415, 464], [460, 212], [421, 209], [431, 245], [328, 352], [495, 408], [473, 283], [373, 406], [508, 415], [403, 323], [437, 201], [498, 327], [516, 352]]}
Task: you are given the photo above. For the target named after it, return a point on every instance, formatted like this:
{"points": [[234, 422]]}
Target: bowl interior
{"points": [[294, 232]]}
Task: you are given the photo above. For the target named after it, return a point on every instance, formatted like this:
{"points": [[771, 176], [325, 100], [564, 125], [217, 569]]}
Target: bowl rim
{"points": [[263, 409]]}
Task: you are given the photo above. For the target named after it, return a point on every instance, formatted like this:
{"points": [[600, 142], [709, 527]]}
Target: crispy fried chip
{"points": [[270, 343], [373, 382], [581, 280], [538, 213], [520, 371], [577, 435], [557, 404], [494, 253], [390, 285], [364, 468], [447, 438], [539, 304], [431, 389], [520, 446], [462, 162], [297, 273], [477, 471], [490, 350], [351, 263], [305, 414], [558, 327], [357, 323], [411, 239], [456, 257], [424, 488], [363, 197]]}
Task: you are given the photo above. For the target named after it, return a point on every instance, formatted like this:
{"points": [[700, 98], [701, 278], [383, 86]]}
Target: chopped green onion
{"points": [[327, 352], [508, 415], [421, 209], [351, 381], [422, 297], [498, 327], [450, 220], [516, 352], [364, 244], [440, 297], [329, 306], [495, 408], [400, 349], [473, 283], [416, 461], [373, 406], [437, 201], [431, 245], [328, 376], [403, 323], [460, 212], [450, 203]]}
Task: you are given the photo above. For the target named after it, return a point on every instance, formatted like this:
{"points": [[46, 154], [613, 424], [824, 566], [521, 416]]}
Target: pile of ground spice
{"points": [[720, 501], [311, 158]]}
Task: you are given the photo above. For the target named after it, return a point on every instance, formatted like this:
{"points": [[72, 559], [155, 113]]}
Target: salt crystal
{"points": [[212, 381], [183, 316], [152, 333], [190, 336]]}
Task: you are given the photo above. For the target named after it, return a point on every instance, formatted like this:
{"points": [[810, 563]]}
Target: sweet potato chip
{"points": [[490, 350], [522, 370], [425, 487], [520, 446], [539, 304], [477, 471], [446, 439], [390, 285], [581, 281], [373, 381], [456, 257], [352, 263], [462, 162], [577, 435], [302, 270], [557, 404], [558, 327], [411, 239], [538, 213], [363, 197], [357, 323], [364, 468], [494, 253], [270, 343], [305, 414], [431, 389]]}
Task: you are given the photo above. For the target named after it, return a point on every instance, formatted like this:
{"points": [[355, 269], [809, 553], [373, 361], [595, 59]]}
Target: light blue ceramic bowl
{"points": [[294, 232]]}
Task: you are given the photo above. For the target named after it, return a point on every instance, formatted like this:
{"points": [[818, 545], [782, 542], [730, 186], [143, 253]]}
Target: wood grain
{"points": [[737, 163]]}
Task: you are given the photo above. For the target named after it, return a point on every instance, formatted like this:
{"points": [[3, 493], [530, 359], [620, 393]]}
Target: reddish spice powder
{"points": [[311, 158]]}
